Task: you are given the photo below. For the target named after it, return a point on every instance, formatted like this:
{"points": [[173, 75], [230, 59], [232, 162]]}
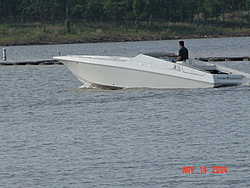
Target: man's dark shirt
{"points": [[183, 52]]}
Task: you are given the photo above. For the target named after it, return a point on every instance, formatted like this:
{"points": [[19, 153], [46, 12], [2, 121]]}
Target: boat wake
{"points": [[87, 86], [248, 84]]}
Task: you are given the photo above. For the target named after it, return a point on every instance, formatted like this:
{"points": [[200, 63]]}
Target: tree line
{"points": [[123, 11]]}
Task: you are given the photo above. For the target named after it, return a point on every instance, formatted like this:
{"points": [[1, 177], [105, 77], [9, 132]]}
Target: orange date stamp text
{"points": [[204, 169]]}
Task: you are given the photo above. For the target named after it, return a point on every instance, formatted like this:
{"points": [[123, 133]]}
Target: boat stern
{"points": [[222, 80]]}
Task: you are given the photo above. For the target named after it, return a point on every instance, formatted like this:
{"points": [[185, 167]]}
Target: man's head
{"points": [[181, 43]]}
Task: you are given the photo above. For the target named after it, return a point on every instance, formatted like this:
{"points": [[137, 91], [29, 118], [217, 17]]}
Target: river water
{"points": [[54, 134]]}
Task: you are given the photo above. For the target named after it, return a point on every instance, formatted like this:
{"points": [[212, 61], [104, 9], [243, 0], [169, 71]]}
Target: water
{"points": [[228, 47], [54, 134]]}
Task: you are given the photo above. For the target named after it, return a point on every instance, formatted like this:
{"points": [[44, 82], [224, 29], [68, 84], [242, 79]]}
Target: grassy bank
{"points": [[36, 33]]}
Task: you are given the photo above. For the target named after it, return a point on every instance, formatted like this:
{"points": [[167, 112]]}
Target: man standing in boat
{"points": [[183, 52]]}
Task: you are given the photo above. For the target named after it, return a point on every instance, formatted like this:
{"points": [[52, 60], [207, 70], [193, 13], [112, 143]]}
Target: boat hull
{"points": [[145, 71], [112, 77]]}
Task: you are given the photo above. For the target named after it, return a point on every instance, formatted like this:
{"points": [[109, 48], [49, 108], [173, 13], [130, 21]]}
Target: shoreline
{"points": [[114, 39]]}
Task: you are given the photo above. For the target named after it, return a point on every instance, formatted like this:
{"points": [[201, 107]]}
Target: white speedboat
{"points": [[150, 70]]}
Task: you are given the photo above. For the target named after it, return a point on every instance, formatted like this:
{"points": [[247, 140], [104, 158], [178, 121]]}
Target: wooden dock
{"points": [[213, 59], [42, 62], [56, 62]]}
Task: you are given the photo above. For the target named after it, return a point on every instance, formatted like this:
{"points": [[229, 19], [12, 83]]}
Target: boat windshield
{"points": [[158, 54], [162, 55]]}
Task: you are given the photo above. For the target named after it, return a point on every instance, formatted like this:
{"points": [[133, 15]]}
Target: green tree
{"points": [[138, 7], [9, 9], [248, 10], [153, 10], [139, 11], [94, 10]]}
